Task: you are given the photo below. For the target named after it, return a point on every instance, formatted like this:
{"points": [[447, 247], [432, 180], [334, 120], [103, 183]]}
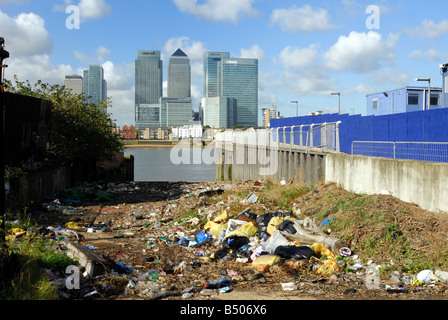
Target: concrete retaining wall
{"points": [[240, 162], [422, 183]]}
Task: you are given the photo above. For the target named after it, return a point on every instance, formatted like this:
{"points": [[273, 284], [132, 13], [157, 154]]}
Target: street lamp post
{"points": [[429, 89], [339, 95], [297, 107]]}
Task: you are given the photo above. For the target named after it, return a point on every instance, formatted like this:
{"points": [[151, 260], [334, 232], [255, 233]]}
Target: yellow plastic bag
{"points": [[247, 230], [329, 267], [323, 251], [264, 262], [215, 229], [223, 217], [72, 226], [16, 231]]}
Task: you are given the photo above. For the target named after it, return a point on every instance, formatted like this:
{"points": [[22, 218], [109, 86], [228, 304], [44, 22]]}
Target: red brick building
{"points": [[129, 133]]}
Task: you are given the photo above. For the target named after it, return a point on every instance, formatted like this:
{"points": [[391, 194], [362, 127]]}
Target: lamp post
{"points": [[429, 89], [339, 95], [3, 55], [297, 107]]}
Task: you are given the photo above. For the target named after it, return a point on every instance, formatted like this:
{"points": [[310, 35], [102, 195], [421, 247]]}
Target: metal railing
{"points": [[419, 151], [324, 136]]}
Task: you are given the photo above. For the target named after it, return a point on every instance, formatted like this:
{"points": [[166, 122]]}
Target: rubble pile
{"points": [[208, 241]]}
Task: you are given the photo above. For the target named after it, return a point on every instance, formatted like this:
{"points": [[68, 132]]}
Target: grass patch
{"points": [[25, 261]]}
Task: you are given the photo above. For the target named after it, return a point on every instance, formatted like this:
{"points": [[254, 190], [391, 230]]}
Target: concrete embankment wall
{"points": [[422, 183], [240, 162]]}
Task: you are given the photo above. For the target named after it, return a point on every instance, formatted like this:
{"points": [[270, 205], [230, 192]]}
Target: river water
{"points": [[155, 164]]}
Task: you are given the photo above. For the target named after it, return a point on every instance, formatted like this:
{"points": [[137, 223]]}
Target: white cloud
{"points": [[431, 54], [429, 29], [218, 10], [360, 52], [25, 34], [298, 58], [392, 76], [304, 19], [89, 9], [193, 49], [93, 9], [254, 52], [123, 105], [102, 53], [37, 67]]}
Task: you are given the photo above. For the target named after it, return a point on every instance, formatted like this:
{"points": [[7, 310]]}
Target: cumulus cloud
{"points": [[25, 34], [254, 52], [304, 19], [431, 54], [360, 52], [37, 67], [291, 57], [89, 9], [218, 10], [193, 49], [429, 29], [392, 76]]}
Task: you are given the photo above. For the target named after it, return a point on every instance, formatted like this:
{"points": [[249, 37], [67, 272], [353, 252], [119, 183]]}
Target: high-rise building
{"points": [[94, 84], [211, 60], [148, 87], [176, 112], [235, 82], [238, 79], [74, 83], [179, 75], [269, 114]]}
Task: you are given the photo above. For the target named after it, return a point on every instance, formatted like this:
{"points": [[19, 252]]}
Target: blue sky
{"points": [[306, 49]]}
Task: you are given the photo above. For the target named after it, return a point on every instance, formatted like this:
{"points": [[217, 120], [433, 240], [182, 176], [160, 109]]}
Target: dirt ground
{"points": [[142, 227]]}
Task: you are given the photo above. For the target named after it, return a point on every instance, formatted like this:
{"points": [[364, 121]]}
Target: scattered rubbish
{"points": [[221, 283], [327, 221], [424, 277], [345, 252], [252, 198], [211, 193], [264, 262], [289, 286], [293, 252]]}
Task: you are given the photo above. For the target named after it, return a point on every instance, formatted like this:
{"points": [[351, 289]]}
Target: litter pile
{"points": [[199, 241]]}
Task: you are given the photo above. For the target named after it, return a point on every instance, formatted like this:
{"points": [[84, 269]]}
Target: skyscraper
{"points": [[148, 77], [74, 83], [235, 82], [148, 88], [211, 60], [94, 84], [179, 75]]}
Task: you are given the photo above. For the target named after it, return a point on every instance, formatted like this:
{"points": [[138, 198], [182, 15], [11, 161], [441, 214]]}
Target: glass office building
{"points": [[238, 79], [176, 112], [148, 87], [235, 82], [211, 60], [94, 84], [179, 76]]}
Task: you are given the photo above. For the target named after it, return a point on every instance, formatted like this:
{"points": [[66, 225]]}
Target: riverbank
{"points": [[149, 144], [162, 144]]}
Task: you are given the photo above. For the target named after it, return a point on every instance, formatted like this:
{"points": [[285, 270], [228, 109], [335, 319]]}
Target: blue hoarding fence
{"points": [[420, 126]]}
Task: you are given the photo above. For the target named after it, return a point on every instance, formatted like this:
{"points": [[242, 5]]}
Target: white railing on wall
{"points": [[324, 136], [419, 151]]}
